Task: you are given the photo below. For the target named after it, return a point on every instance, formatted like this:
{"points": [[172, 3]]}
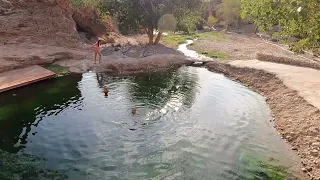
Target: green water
{"points": [[190, 124]]}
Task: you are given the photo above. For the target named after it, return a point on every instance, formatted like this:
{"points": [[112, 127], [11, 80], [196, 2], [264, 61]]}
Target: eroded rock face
{"points": [[87, 20], [39, 22], [49, 22]]}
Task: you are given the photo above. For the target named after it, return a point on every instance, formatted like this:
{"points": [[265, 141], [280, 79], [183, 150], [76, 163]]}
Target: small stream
{"points": [[190, 124], [190, 53]]}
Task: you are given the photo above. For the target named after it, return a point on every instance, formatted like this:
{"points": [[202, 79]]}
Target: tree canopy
{"points": [[295, 18], [229, 12], [135, 14], [187, 13]]}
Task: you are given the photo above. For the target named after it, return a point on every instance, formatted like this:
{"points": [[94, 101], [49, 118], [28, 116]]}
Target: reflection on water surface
{"points": [[190, 124]]}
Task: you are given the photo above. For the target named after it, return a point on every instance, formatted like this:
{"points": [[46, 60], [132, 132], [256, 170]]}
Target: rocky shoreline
{"points": [[130, 59], [295, 119], [51, 31]]}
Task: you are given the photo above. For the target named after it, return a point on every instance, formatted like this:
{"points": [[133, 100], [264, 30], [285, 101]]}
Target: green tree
{"points": [[135, 14], [96, 5], [188, 13], [296, 18], [166, 23], [210, 6], [188, 21], [211, 21], [229, 12]]}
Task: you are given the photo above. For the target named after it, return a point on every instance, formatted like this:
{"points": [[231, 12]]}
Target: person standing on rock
{"points": [[96, 47]]}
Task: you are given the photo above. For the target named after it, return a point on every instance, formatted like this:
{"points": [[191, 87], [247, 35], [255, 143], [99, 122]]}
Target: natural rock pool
{"points": [[190, 124]]}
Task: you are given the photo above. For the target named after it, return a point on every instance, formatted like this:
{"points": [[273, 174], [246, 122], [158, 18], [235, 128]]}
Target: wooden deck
{"points": [[21, 77]]}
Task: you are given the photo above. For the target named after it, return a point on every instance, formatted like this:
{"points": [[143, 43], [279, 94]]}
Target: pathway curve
{"points": [[191, 53], [305, 81]]}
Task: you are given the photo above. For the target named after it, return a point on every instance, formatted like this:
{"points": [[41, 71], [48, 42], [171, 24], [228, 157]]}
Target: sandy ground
{"points": [[295, 119], [305, 81], [242, 47]]}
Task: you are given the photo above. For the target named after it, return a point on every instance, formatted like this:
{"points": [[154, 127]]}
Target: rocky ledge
{"points": [[159, 62]]}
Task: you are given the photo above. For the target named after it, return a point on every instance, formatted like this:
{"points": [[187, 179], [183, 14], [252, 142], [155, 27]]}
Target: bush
{"points": [[77, 3], [211, 21]]}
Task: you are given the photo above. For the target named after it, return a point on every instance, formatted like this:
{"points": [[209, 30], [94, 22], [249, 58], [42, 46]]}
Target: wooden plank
{"points": [[21, 77]]}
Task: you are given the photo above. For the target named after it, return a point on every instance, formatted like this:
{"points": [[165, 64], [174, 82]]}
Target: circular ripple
{"points": [[190, 124]]}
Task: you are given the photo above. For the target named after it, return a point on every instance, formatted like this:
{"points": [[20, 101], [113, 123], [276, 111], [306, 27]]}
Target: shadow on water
{"points": [[23, 108], [158, 89], [17, 166]]}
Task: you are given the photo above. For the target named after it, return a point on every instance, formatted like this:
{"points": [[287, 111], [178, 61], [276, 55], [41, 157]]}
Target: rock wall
{"points": [[88, 21], [38, 22], [49, 22]]}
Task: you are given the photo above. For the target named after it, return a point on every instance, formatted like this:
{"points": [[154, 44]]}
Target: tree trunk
{"points": [[256, 29], [209, 10], [150, 35], [158, 38]]}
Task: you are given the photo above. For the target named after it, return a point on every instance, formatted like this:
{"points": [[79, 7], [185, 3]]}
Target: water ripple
{"points": [[190, 124]]}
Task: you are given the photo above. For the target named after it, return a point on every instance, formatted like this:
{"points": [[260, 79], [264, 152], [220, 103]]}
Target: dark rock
{"points": [[87, 21]]}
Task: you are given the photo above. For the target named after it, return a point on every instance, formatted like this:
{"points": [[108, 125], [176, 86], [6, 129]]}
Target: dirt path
{"points": [[237, 46], [305, 81], [242, 46]]}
